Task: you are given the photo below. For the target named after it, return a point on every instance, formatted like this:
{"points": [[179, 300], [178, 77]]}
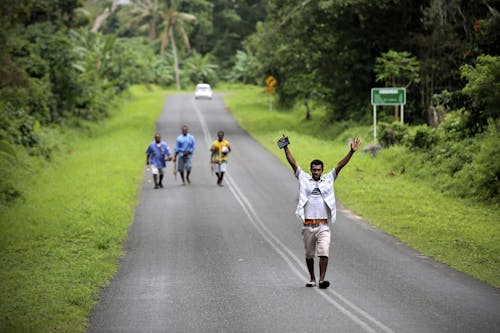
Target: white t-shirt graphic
{"points": [[315, 207]]}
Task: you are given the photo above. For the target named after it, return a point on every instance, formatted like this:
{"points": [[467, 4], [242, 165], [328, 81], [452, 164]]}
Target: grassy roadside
{"points": [[62, 242], [463, 234]]}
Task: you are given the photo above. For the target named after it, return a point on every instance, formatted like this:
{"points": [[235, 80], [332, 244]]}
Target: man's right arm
{"points": [[290, 159], [289, 155], [212, 154], [148, 155]]}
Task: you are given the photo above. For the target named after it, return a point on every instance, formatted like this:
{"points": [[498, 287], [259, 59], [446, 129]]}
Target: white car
{"points": [[203, 90]]}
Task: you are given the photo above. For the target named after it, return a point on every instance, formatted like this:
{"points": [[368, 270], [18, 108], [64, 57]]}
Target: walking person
{"points": [[218, 159], [316, 207], [184, 148], [157, 153]]}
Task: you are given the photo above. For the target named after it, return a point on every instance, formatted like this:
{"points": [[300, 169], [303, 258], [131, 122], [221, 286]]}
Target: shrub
{"points": [[133, 62], [162, 71], [425, 137], [392, 134], [454, 126], [457, 164], [481, 177], [450, 157], [16, 126], [8, 159]]}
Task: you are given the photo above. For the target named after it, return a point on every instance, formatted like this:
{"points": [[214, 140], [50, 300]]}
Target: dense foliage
{"points": [[458, 165], [340, 43], [63, 62]]}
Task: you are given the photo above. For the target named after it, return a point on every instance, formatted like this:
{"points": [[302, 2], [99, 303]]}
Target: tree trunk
{"points": [[103, 16], [308, 110], [151, 30], [176, 60], [396, 107]]}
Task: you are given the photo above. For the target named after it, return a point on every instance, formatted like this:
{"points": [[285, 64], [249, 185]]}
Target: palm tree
{"points": [[201, 69], [109, 8], [148, 11], [174, 20]]}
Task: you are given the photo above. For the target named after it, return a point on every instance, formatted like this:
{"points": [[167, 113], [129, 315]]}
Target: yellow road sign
{"points": [[270, 90], [271, 81]]}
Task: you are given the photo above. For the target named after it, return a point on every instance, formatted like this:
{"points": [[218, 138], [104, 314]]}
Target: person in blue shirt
{"points": [[184, 148], [157, 154]]}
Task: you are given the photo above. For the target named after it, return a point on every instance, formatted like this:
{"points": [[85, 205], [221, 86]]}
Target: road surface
{"points": [[203, 258]]}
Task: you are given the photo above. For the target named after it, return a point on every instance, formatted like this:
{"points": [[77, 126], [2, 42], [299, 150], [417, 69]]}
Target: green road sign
{"points": [[388, 96]]}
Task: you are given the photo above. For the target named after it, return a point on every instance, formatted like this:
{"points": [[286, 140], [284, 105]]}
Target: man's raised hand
{"points": [[355, 144]]}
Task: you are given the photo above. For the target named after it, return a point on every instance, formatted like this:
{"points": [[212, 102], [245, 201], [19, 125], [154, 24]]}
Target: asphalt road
{"points": [[203, 258]]}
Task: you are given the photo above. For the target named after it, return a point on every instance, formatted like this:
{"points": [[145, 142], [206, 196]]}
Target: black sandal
{"points": [[324, 284]]}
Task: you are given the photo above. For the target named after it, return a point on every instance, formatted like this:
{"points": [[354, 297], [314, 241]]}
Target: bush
{"points": [[392, 134], [481, 177], [425, 137], [454, 126], [453, 162], [133, 62], [8, 160], [48, 141], [449, 157], [16, 126]]}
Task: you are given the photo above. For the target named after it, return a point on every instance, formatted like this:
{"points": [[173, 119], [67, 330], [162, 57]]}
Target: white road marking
{"points": [[355, 313]]}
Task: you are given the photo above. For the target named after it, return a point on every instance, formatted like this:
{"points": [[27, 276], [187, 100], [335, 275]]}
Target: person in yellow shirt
{"points": [[218, 160]]}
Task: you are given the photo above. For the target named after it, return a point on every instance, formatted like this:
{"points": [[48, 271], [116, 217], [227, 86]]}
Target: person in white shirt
{"points": [[316, 207]]}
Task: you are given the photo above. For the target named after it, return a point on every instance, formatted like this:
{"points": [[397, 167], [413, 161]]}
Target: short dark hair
{"points": [[316, 162]]}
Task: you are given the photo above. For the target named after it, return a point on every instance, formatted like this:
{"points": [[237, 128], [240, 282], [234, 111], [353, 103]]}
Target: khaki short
{"points": [[316, 241], [156, 171]]}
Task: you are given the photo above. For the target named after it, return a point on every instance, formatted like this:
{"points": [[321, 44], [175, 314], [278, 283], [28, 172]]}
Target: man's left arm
{"points": [[354, 147]]}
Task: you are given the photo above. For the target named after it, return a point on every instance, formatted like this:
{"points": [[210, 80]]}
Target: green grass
{"points": [[463, 234], [62, 241]]}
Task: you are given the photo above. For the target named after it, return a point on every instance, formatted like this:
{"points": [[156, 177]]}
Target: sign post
{"points": [[270, 90], [386, 96]]}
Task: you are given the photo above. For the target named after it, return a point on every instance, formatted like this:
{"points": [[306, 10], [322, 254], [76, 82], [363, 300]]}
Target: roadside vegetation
{"points": [[62, 63], [61, 242]]}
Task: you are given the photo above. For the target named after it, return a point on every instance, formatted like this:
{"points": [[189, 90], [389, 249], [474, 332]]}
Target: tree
{"points": [[483, 86], [452, 33], [233, 21], [109, 9], [245, 68], [397, 69], [173, 20], [96, 56], [201, 69], [338, 40], [148, 11]]}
